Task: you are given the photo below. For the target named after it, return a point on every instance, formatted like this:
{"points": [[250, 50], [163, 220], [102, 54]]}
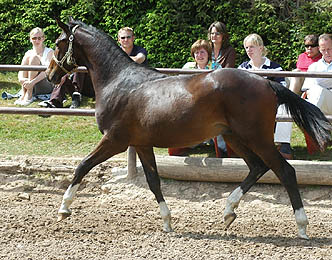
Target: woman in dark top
{"points": [[222, 51]]}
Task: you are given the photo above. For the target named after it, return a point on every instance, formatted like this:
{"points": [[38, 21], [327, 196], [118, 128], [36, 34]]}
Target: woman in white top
{"points": [[34, 82], [256, 52]]}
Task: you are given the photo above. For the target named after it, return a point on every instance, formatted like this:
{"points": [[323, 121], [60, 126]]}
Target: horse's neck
{"points": [[117, 72], [109, 66]]}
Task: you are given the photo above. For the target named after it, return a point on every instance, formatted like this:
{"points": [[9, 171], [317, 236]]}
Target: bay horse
{"points": [[141, 107]]}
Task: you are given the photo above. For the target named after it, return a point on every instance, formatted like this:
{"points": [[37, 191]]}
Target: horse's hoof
{"points": [[303, 236], [62, 216], [167, 229], [229, 220]]}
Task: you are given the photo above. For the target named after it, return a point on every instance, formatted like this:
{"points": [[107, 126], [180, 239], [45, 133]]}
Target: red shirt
{"points": [[304, 61]]}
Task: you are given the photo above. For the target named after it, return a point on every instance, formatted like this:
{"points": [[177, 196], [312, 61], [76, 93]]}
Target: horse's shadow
{"points": [[279, 241], [198, 191]]}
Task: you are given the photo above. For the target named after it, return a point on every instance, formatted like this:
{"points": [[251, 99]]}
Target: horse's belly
{"points": [[187, 136]]}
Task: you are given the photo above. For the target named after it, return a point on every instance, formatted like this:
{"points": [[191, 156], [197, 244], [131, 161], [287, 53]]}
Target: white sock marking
{"points": [[233, 201], [302, 222], [68, 198], [166, 216]]}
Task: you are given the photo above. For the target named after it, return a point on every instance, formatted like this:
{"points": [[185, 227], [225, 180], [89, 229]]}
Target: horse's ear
{"points": [[71, 19], [63, 26]]}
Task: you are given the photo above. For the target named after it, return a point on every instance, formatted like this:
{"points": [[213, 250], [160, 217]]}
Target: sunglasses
{"points": [[124, 37], [36, 38], [310, 45]]}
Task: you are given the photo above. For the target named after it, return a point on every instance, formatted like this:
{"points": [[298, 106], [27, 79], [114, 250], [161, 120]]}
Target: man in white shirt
{"points": [[319, 90]]}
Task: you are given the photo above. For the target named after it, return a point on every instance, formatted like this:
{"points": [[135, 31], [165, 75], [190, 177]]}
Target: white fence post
{"points": [[131, 156]]}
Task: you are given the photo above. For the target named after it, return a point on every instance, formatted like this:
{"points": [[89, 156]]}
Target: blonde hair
{"points": [[126, 29], [36, 30], [256, 40], [201, 44], [325, 36]]}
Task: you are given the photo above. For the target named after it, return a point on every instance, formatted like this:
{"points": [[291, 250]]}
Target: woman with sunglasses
{"points": [[222, 51], [34, 82], [304, 60]]}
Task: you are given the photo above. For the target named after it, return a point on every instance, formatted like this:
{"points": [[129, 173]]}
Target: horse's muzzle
{"points": [[53, 74]]}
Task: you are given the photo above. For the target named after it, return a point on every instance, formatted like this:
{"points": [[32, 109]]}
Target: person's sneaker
{"points": [[76, 100], [49, 104], [26, 102], [18, 102]]}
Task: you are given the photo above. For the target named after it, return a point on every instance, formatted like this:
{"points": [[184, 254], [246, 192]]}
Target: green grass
{"points": [[77, 136]]}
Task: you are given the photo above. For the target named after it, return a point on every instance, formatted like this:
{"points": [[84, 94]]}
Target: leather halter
{"points": [[68, 57]]}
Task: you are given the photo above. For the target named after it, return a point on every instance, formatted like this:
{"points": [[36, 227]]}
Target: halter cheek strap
{"points": [[68, 57]]}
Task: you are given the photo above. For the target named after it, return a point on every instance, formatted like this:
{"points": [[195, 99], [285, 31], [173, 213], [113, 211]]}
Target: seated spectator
{"points": [[126, 38], [201, 51], [257, 52], [305, 59], [33, 82], [319, 89], [75, 85], [222, 52]]}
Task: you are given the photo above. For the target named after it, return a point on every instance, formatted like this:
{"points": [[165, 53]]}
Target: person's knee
{"points": [[34, 60], [296, 84]]}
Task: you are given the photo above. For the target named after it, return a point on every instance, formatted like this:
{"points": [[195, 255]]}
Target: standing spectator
{"points": [[222, 51], [34, 82], [305, 59], [126, 38], [319, 89], [257, 52]]}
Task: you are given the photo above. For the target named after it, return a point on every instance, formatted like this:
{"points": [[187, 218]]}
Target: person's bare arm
{"points": [[23, 75], [139, 58], [30, 83]]}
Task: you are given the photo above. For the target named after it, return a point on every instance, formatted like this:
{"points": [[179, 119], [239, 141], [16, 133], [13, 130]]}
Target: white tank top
{"points": [[44, 60]]}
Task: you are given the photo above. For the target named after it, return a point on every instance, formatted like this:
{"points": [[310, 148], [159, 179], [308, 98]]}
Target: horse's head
{"points": [[63, 60]]}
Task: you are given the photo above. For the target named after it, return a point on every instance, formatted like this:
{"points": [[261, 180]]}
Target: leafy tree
{"points": [[167, 28]]}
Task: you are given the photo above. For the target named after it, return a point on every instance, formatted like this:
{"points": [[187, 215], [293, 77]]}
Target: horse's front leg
{"points": [[148, 161], [105, 149]]}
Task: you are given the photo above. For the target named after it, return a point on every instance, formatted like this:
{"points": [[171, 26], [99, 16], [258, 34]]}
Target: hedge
{"points": [[167, 28]]}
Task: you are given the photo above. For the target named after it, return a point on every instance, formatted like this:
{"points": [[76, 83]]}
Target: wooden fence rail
{"points": [[9, 67]]}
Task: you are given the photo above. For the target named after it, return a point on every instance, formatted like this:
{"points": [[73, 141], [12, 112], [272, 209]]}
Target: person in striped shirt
{"points": [[257, 52]]}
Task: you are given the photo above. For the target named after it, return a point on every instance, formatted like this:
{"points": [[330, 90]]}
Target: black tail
{"points": [[307, 116]]}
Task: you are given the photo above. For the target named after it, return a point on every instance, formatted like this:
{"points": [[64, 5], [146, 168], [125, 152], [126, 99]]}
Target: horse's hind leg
{"points": [[286, 174], [148, 161], [105, 149], [257, 169]]}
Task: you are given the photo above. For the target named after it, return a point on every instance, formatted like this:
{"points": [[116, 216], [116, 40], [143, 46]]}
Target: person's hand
{"points": [[22, 80], [28, 84]]}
